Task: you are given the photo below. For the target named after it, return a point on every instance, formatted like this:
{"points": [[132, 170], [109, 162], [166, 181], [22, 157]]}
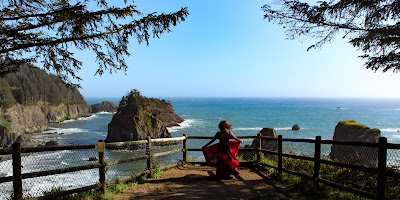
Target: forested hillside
{"points": [[30, 85], [30, 99]]}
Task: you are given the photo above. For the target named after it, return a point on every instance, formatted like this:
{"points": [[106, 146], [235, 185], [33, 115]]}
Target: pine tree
{"points": [[47, 30], [372, 26]]}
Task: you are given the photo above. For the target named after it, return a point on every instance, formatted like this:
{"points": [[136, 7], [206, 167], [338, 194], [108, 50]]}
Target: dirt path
{"points": [[198, 182]]}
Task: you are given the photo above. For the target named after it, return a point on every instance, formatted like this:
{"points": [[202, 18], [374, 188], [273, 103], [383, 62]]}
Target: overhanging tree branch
{"points": [[372, 26], [44, 30]]}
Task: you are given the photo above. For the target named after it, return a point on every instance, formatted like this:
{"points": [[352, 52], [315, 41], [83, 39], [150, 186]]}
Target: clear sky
{"points": [[226, 49]]}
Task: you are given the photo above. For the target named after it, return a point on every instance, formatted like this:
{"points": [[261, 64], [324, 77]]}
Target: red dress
{"points": [[223, 156]]}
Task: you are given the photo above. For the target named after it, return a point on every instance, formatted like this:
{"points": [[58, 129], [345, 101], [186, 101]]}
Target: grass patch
{"points": [[295, 187]]}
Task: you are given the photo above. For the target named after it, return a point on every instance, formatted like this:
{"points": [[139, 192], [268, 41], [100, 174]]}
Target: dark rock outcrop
{"points": [[265, 144], [353, 131], [52, 143], [104, 106], [295, 127], [139, 117], [94, 158]]}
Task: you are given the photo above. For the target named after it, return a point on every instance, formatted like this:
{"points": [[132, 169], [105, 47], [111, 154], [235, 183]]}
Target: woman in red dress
{"points": [[223, 154]]}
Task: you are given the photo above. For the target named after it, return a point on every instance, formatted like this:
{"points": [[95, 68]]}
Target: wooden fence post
{"points": [[100, 148], [317, 160], [149, 160], [17, 171], [259, 149], [382, 153], [185, 148], [280, 157]]}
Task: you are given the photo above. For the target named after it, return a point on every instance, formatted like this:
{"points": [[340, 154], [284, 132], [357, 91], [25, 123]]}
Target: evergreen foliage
{"points": [[134, 99], [372, 26], [31, 85], [45, 30]]}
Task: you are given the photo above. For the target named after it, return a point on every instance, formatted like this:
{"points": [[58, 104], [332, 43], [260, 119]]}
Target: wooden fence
{"points": [[100, 146], [381, 170]]}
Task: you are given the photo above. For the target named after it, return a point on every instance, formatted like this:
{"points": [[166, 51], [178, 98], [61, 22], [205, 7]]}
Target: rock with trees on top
{"points": [[139, 117]]}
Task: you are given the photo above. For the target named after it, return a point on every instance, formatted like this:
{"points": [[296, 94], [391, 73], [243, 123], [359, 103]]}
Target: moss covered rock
{"points": [[355, 132]]}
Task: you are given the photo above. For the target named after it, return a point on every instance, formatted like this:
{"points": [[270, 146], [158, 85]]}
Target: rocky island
{"points": [[104, 106], [138, 117]]}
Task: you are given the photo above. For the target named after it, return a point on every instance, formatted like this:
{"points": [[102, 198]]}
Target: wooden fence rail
{"points": [[381, 169], [16, 151]]}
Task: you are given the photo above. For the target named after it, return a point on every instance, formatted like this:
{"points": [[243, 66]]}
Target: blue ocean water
{"points": [[316, 117]]}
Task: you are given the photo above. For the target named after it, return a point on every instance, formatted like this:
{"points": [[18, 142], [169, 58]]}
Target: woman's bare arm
{"points": [[212, 140], [236, 138]]}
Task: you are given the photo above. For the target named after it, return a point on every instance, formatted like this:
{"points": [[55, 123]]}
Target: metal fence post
{"points": [[382, 153], [100, 148], [149, 160], [280, 157], [317, 160], [259, 143], [185, 148], [17, 171]]}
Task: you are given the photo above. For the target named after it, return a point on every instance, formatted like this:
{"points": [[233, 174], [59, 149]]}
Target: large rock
{"points": [[104, 106], [265, 144], [129, 125], [295, 127], [52, 143], [139, 117], [353, 131]]}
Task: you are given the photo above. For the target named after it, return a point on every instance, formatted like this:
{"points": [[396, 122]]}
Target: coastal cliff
{"points": [[30, 100], [138, 117]]}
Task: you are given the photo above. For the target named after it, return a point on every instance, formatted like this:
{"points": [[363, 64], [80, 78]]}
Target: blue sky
{"points": [[226, 49]]}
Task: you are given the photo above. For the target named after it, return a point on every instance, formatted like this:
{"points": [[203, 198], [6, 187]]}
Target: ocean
{"points": [[315, 116]]}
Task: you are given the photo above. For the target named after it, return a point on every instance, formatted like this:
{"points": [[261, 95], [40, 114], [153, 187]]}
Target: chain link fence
{"points": [[49, 172], [6, 188], [37, 162]]}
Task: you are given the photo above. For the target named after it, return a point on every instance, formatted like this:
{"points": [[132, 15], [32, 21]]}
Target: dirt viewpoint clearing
{"points": [[198, 182]]}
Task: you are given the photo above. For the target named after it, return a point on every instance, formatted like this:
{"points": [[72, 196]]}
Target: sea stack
{"points": [[295, 127], [355, 132], [265, 144], [104, 106], [138, 117]]}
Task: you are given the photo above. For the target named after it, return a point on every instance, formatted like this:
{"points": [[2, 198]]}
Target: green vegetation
{"points": [[306, 188], [135, 100], [102, 27], [4, 121], [111, 191], [370, 26], [31, 85]]}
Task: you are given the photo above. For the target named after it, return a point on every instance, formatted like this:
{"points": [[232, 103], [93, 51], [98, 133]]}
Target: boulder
{"points": [[104, 106], [129, 125], [265, 144], [139, 117], [295, 127], [52, 143], [355, 132], [94, 158], [167, 116]]}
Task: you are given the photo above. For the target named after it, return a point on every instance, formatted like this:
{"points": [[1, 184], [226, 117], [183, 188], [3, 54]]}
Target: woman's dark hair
{"points": [[223, 125]]}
